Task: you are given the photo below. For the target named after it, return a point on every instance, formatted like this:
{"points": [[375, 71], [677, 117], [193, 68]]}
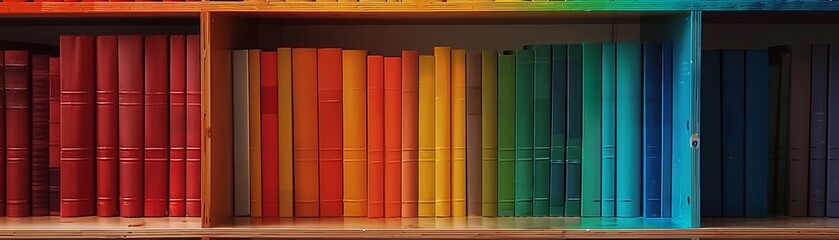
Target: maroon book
{"points": [[131, 131], [55, 128], [2, 134], [107, 131], [40, 134], [78, 119], [177, 126], [193, 128], [18, 135], [157, 126]]}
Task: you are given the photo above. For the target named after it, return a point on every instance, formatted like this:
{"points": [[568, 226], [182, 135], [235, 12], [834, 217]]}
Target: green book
{"points": [[524, 132], [489, 133], [506, 134], [574, 130], [541, 129], [592, 103], [559, 86]]}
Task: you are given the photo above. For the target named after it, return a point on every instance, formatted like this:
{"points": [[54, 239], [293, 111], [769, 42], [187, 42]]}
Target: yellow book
{"points": [[458, 133], [255, 132], [489, 133], [442, 127], [425, 181], [286, 145], [355, 132]]}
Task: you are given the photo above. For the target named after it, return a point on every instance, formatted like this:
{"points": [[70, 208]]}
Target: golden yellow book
{"points": [[286, 144], [489, 133], [355, 132], [426, 137], [442, 127], [458, 132], [255, 132]]}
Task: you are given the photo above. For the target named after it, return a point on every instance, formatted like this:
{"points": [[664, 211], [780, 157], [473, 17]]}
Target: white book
{"points": [[241, 149]]}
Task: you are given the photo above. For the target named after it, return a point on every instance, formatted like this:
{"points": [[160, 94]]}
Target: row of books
{"points": [[546, 130]]}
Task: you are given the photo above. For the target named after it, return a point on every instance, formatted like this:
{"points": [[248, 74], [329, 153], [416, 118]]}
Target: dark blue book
{"points": [[666, 127], [733, 124], [757, 136], [833, 134], [575, 132], [818, 131], [607, 206], [558, 119], [652, 129], [711, 146]]}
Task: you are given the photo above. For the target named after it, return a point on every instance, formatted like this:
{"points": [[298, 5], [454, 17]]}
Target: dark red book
{"points": [[193, 128], [2, 134], [40, 135], [330, 138], [270, 135], [157, 126], [177, 126], [131, 125], [55, 128], [107, 128], [18, 135], [78, 119], [375, 136]]}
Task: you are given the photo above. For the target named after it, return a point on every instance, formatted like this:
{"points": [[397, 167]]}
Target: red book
{"points": [[330, 138], [177, 126], [410, 103], [193, 129], [270, 135], [55, 149], [156, 151], [18, 135], [393, 136], [78, 119], [40, 135], [2, 135], [107, 131], [375, 136], [131, 117]]}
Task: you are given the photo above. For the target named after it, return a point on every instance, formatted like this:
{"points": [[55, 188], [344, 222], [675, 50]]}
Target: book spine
{"points": [[784, 58], [458, 127], [573, 151], [818, 132], [652, 129], [425, 146], [330, 140], [255, 130], [524, 133], [193, 130], [590, 197], [799, 130], [286, 127], [55, 129], [410, 118], [18, 135], [506, 134], [78, 111], [489, 133], [559, 93], [473, 135], [607, 176], [241, 151], [40, 135], [733, 125], [393, 136], [375, 136], [442, 129], [304, 101], [355, 132], [541, 130], [131, 127], [270, 132], [757, 111], [628, 144], [177, 125], [666, 132], [107, 124], [832, 206], [711, 151], [156, 115]]}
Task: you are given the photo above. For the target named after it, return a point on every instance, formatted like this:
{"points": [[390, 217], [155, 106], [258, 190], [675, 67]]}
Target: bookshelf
{"points": [[227, 25]]}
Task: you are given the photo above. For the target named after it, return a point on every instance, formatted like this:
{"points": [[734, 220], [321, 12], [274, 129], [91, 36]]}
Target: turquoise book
{"points": [[506, 134], [559, 64], [573, 152], [607, 175], [629, 130], [541, 129], [591, 147], [524, 133]]}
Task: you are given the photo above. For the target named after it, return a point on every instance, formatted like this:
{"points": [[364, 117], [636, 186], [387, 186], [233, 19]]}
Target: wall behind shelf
{"points": [[757, 35], [49, 34]]}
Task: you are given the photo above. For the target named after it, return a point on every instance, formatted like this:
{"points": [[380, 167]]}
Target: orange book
{"points": [[410, 103], [285, 125], [393, 136], [255, 128], [375, 136], [458, 132], [330, 129], [305, 124], [355, 132], [442, 137]]}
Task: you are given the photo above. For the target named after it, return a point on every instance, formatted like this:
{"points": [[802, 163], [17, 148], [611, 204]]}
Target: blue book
{"points": [[573, 152], [607, 207], [757, 136], [711, 146], [818, 131], [558, 127], [833, 134], [733, 124], [666, 127], [628, 107], [652, 129]]}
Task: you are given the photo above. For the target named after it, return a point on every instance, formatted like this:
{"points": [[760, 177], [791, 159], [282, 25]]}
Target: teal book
{"points": [[592, 103], [607, 177], [524, 133], [573, 170], [559, 64], [629, 130], [541, 129], [506, 134]]}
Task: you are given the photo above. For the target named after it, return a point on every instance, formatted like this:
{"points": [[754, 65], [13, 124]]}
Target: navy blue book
{"points": [[733, 124], [711, 145], [652, 130], [558, 105], [666, 127], [818, 131], [833, 134], [757, 137], [573, 152]]}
